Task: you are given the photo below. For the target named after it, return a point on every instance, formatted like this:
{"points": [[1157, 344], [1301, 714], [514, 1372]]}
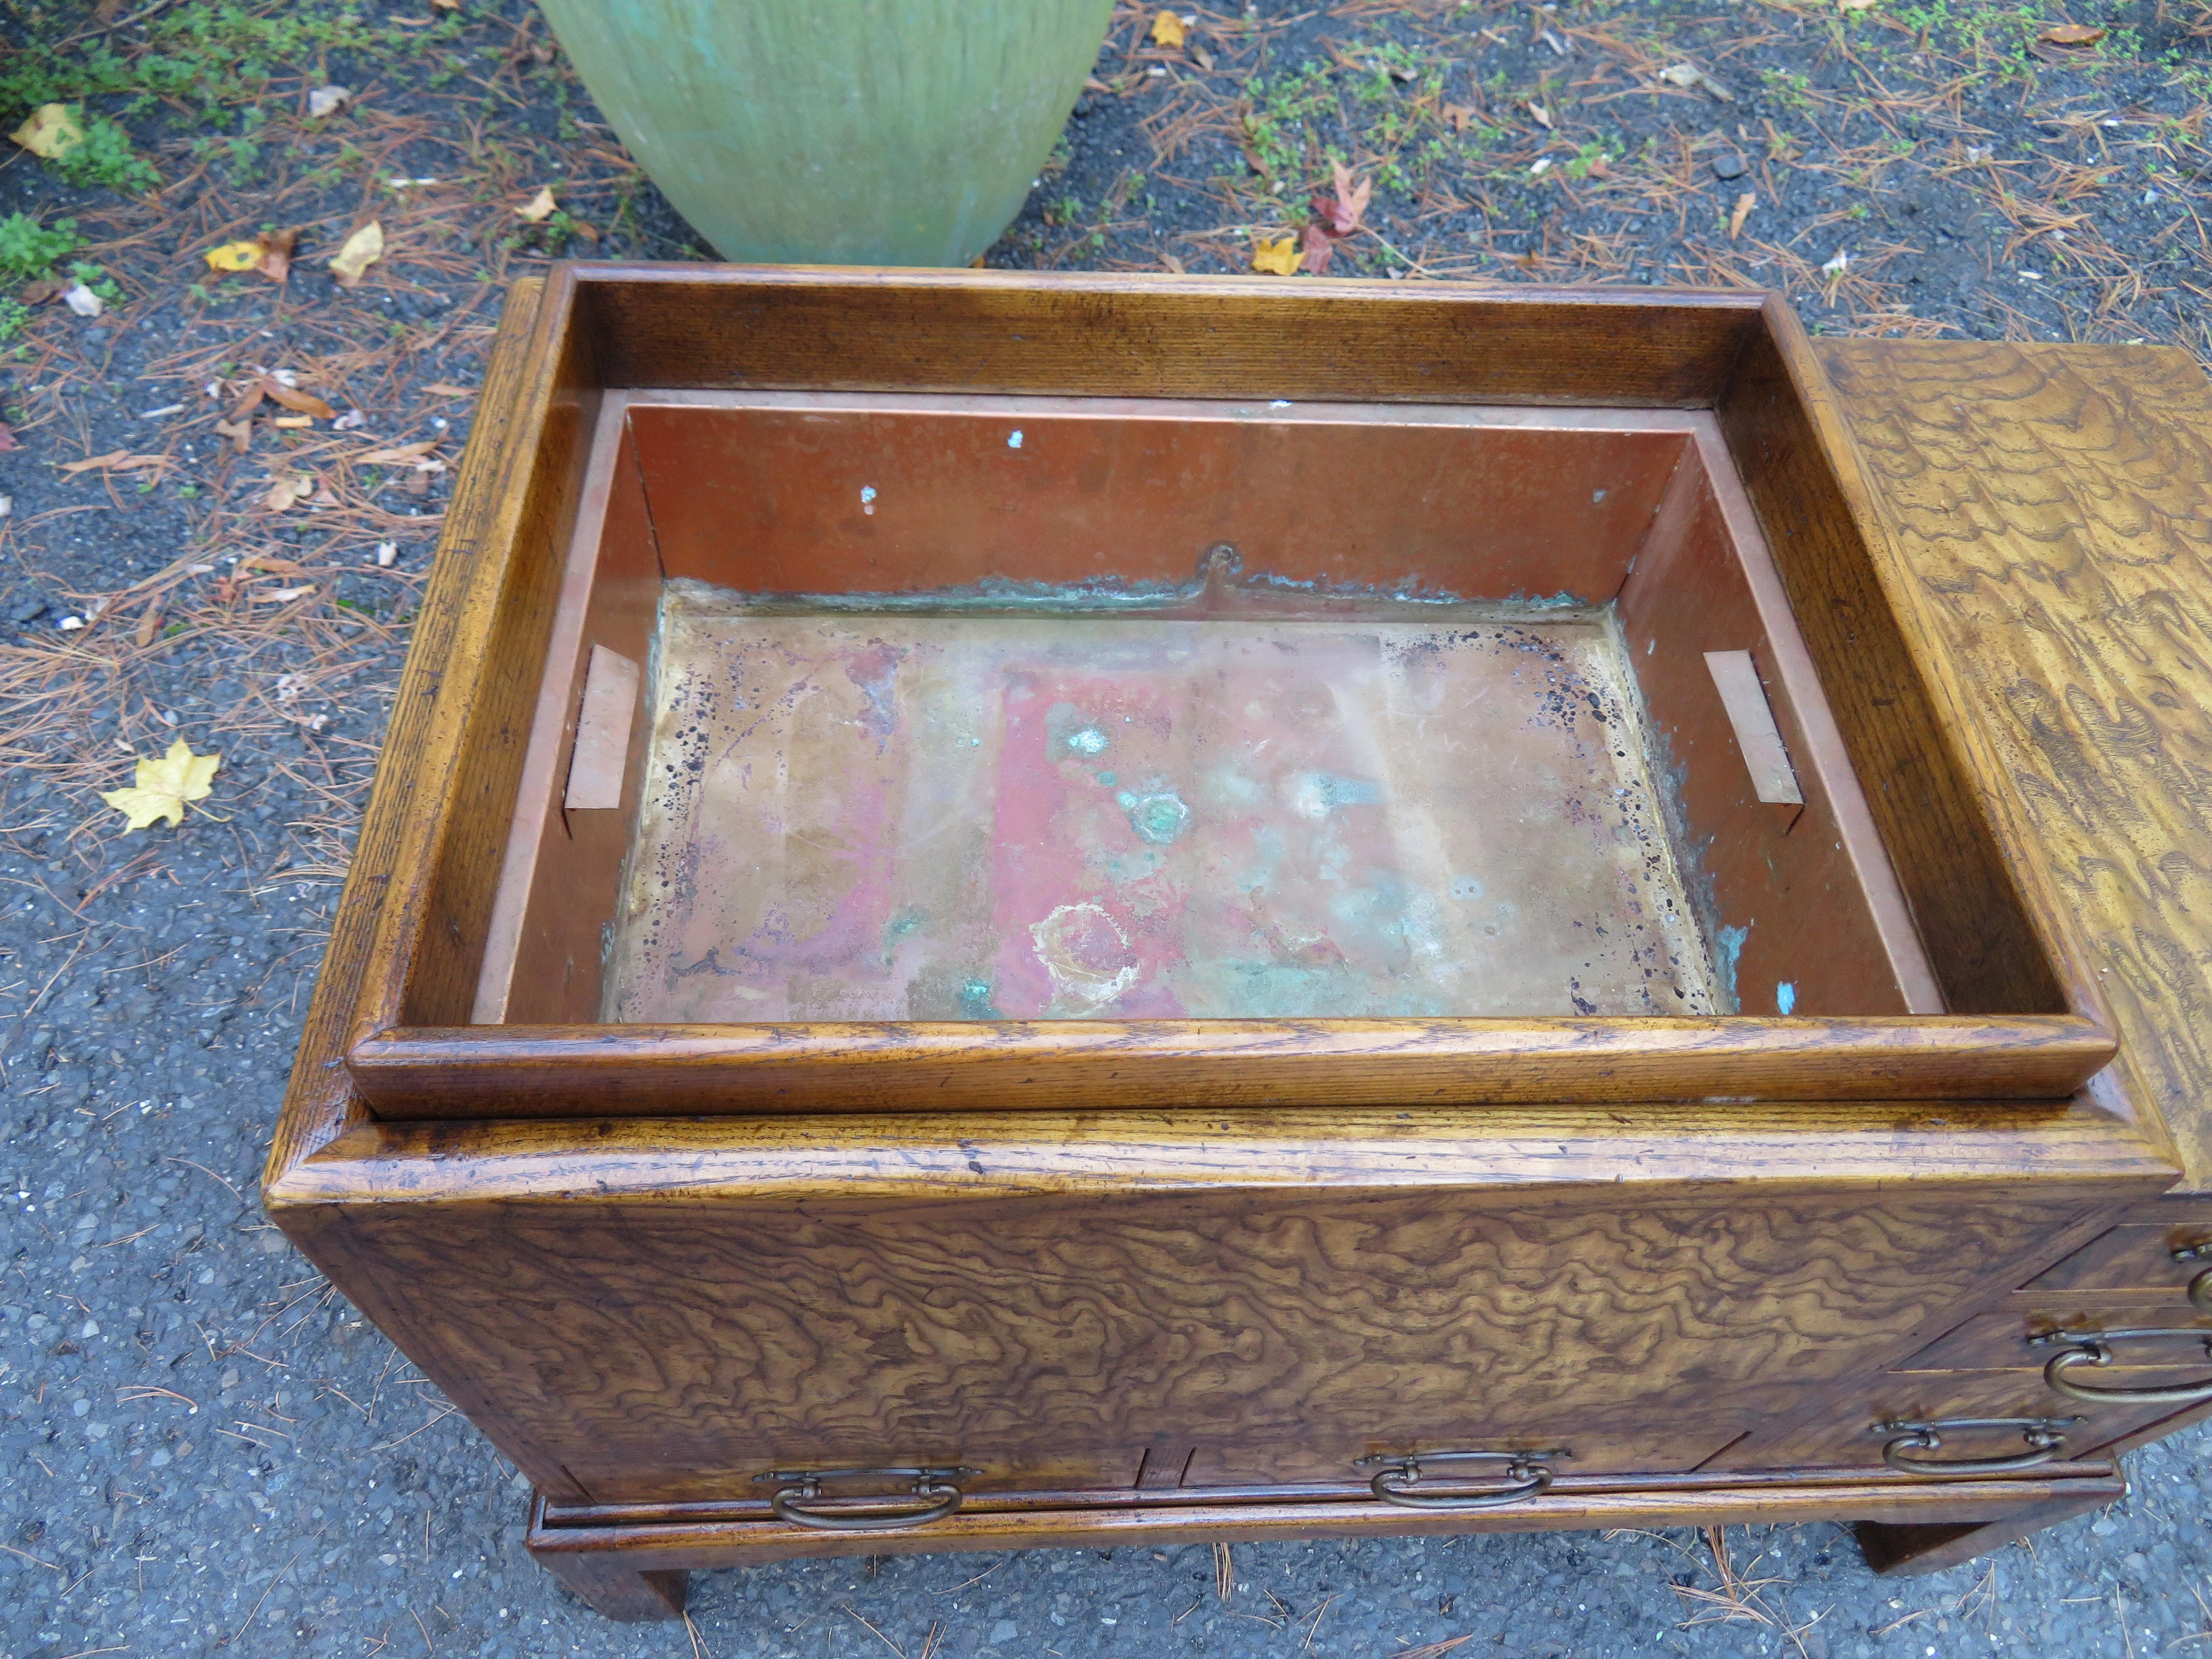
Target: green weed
{"points": [[29, 250]]}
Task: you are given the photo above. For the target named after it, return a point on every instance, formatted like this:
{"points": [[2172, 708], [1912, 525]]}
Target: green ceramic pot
{"points": [[877, 133]]}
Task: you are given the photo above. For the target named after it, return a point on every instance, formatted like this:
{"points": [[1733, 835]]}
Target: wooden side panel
{"points": [[549, 968], [2052, 509], [1795, 456], [1158, 336], [1792, 928], [429, 943], [672, 1341]]}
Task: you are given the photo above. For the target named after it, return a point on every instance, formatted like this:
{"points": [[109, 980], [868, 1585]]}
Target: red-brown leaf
{"points": [[1318, 248]]}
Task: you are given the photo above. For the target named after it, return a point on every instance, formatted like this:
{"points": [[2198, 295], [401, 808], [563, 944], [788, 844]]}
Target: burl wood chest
{"points": [[1008, 910]]}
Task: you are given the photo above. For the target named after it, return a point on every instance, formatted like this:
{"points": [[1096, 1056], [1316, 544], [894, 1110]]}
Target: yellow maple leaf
{"points": [[164, 786], [234, 255], [539, 207], [1168, 30], [1278, 259], [363, 249], [52, 131]]}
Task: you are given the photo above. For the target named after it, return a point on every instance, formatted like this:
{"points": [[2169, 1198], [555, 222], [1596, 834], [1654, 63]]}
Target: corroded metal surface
{"points": [[1024, 814]]}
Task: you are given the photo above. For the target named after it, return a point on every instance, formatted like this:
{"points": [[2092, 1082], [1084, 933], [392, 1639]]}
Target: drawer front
{"points": [[2136, 1257], [885, 1472], [1976, 1417], [1336, 1460], [2006, 1340]]}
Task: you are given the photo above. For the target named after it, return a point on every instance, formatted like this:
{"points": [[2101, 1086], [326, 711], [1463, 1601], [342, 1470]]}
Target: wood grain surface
{"points": [[677, 1342], [2051, 509]]}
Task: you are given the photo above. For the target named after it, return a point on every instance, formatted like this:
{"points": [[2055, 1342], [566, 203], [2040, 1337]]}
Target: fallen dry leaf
{"points": [[276, 247], [1277, 257], [397, 453], [1340, 214], [294, 421], [447, 389], [1744, 203], [444, 5], [1858, 5], [303, 403], [38, 293], [164, 786], [328, 101], [7, 437], [2067, 35], [50, 133], [1459, 117], [117, 460], [286, 489], [1315, 249], [240, 433], [539, 207], [363, 249], [234, 255], [150, 624], [1543, 116], [283, 595], [1200, 56], [1168, 30]]}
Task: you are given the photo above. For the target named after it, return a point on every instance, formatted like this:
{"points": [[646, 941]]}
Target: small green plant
{"points": [[1587, 157], [29, 249], [96, 278], [14, 315], [106, 157]]}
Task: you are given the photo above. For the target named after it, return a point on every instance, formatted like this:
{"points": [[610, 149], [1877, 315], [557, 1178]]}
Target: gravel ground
{"points": [[204, 1450]]}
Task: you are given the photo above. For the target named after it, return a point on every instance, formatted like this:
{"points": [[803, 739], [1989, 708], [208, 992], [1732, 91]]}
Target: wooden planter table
{"points": [[1352, 908]]}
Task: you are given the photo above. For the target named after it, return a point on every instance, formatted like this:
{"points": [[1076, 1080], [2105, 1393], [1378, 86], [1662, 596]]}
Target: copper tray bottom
{"points": [[1023, 814]]}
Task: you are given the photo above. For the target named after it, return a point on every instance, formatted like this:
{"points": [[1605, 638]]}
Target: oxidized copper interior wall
{"points": [[1368, 686]]}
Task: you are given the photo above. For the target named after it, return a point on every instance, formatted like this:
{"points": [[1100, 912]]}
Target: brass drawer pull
{"points": [[2200, 1288], [2087, 1348], [2046, 1436], [1528, 1473], [797, 1486]]}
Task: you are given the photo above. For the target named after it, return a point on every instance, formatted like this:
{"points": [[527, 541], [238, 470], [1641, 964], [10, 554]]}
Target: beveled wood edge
{"points": [[1566, 1154], [493, 1071], [695, 1546], [319, 1102]]}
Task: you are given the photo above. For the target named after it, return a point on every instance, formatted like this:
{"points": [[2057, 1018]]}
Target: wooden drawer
{"points": [[1989, 1413], [2017, 1339], [1337, 1460], [2137, 1257], [881, 1472]]}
